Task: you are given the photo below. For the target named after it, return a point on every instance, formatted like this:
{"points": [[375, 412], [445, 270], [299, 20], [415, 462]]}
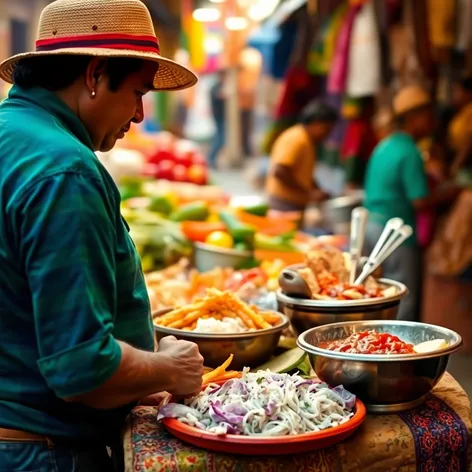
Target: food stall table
{"points": [[436, 437]]}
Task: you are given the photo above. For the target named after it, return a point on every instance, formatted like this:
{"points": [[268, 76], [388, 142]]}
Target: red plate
{"points": [[250, 445]]}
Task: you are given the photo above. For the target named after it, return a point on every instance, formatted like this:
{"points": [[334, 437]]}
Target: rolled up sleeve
{"points": [[67, 247]]}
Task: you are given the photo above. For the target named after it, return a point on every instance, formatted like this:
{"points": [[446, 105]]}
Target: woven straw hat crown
{"points": [[410, 98], [109, 28]]}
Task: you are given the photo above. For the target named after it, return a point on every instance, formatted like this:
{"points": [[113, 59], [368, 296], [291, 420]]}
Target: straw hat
{"points": [[410, 98], [105, 28]]}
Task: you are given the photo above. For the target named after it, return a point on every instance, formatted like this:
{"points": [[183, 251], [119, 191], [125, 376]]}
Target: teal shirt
{"points": [[395, 178], [71, 283]]}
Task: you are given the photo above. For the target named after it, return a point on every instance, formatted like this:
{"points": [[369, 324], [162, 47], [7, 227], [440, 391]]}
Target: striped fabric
{"points": [[71, 283]]}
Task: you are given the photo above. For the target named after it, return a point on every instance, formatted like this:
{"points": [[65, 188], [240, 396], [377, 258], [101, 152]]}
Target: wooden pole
{"points": [[234, 151]]}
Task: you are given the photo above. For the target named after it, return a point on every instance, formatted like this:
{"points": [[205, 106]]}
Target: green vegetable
{"points": [[247, 264], [274, 243], [159, 241], [197, 211], [286, 362], [257, 210], [131, 187], [161, 205], [240, 232], [242, 247]]}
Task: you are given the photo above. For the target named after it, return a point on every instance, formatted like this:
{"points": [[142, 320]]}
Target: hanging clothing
{"points": [[359, 142], [364, 63], [339, 70], [300, 88], [442, 22], [450, 254], [460, 128], [320, 58]]}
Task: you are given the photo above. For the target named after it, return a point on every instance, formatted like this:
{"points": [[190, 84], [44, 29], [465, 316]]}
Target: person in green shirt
{"points": [[396, 186], [76, 334]]}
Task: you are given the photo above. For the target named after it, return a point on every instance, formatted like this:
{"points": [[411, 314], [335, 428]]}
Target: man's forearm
{"points": [[139, 375]]}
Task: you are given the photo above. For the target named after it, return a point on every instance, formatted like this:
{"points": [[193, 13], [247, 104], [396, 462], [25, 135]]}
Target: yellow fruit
{"points": [[220, 239], [213, 218]]}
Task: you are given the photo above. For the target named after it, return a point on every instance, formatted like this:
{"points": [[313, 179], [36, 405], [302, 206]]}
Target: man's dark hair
{"points": [[57, 72], [318, 111]]}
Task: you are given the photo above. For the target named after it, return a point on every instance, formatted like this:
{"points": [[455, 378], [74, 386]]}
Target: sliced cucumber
{"points": [[286, 362]]}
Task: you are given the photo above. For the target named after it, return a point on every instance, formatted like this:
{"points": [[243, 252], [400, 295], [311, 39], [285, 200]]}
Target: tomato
{"points": [[198, 174], [180, 173], [198, 231], [165, 170], [220, 239]]}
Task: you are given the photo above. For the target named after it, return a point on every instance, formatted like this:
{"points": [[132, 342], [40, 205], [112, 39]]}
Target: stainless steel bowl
{"points": [[385, 383], [208, 257], [337, 211], [305, 314], [250, 349]]}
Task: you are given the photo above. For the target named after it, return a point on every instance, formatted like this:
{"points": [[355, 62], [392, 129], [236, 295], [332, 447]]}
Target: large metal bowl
{"points": [[385, 383], [250, 349], [305, 314], [208, 257]]}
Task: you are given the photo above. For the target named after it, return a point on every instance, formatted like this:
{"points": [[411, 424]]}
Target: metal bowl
{"points": [[250, 349], [208, 257], [305, 314], [337, 211], [385, 383]]}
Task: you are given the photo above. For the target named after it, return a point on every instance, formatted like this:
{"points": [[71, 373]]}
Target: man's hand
{"points": [[317, 195], [156, 399], [186, 364]]}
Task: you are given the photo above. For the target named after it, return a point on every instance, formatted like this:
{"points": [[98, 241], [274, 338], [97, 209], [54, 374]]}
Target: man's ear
{"points": [[94, 73]]}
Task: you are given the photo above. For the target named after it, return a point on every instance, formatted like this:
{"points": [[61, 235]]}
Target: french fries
{"points": [[220, 373], [218, 305]]}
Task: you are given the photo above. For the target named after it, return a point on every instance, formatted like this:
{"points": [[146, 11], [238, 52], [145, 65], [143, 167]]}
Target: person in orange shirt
{"points": [[290, 183]]}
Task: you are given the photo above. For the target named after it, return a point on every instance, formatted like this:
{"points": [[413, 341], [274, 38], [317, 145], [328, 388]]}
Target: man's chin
{"points": [[108, 145]]}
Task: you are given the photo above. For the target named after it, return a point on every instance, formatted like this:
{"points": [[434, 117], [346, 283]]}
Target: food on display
{"points": [[220, 374], [372, 342], [264, 404], [177, 160], [220, 239], [291, 360], [180, 285], [327, 274], [219, 312]]}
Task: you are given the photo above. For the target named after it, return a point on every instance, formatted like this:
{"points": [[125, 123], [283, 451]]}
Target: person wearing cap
{"points": [[290, 185], [397, 186], [76, 335]]}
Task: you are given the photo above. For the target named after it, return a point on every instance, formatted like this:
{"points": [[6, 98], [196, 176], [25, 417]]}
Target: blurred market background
{"points": [[260, 62]]}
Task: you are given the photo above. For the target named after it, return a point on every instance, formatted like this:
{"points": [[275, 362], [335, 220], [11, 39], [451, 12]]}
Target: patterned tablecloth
{"points": [[435, 437]]}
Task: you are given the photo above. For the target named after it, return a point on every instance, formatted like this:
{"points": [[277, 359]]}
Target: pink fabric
{"points": [[339, 71], [426, 220]]}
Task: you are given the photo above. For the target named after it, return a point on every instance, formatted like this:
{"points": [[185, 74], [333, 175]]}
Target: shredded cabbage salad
{"points": [[264, 404]]}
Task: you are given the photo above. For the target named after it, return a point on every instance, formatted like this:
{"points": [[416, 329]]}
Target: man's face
{"points": [[109, 115], [319, 131], [421, 122]]}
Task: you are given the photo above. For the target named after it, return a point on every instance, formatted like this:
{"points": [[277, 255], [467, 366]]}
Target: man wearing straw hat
{"points": [[76, 336], [396, 186]]}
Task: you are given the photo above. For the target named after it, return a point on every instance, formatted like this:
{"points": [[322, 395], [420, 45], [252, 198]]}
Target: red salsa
{"points": [[369, 342]]}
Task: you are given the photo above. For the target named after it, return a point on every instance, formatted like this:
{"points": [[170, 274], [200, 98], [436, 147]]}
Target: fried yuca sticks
{"points": [[218, 305]]}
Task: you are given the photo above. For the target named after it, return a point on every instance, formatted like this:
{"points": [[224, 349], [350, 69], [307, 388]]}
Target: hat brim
{"points": [[413, 108], [170, 76]]}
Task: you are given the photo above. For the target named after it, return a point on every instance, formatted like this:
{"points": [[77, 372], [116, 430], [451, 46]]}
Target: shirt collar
{"points": [[50, 102]]}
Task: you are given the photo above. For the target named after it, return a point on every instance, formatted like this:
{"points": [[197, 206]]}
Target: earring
{"points": [[93, 94]]}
